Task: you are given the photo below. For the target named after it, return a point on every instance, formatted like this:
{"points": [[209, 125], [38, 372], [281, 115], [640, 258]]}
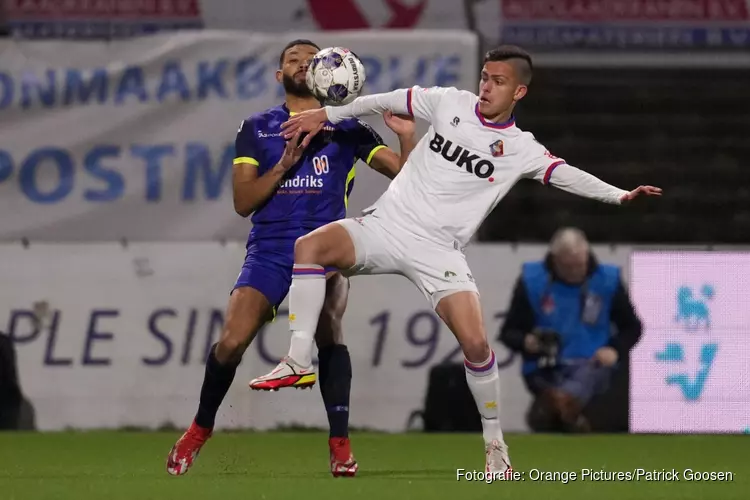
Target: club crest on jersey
{"points": [[462, 157], [496, 148]]}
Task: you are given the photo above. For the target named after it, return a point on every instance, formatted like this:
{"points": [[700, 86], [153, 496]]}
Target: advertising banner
{"points": [[110, 336], [336, 15], [135, 138], [100, 19], [690, 373], [119, 18], [540, 24], [636, 24]]}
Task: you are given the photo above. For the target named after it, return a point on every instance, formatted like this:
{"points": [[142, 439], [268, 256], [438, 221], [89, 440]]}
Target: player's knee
{"points": [[230, 349], [476, 350], [308, 250]]}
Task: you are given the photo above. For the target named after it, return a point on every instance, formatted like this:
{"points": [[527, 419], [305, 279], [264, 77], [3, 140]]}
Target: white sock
{"points": [[306, 297], [484, 383]]}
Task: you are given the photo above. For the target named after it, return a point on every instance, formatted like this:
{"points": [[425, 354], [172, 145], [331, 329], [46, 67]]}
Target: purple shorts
{"points": [[268, 268]]}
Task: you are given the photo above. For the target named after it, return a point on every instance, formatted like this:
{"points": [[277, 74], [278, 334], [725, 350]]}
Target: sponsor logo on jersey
{"points": [[303, 182], [455, 121], [496, 148], [267, 135], [463, 158]]}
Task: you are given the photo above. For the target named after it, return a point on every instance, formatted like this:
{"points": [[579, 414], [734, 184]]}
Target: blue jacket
{"points": [[583, 315]]}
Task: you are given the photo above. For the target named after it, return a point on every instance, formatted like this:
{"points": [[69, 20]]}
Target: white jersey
{"points": [[464, 165]]}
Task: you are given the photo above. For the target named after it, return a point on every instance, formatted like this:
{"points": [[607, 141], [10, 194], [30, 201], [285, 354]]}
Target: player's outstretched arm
{"points": [[396, 102], [576, 181], [548, 169], [416, 101]]}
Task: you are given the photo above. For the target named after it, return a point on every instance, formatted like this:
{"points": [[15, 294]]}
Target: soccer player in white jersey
{"points": [[470, 158]]}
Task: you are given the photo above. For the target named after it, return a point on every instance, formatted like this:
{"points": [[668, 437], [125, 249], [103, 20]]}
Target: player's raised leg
{"points": [[248, 309], [462, 312], [328, 246]]}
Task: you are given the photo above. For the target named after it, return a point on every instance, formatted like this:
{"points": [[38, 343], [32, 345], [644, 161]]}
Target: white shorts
{"points": [[383, 247]]}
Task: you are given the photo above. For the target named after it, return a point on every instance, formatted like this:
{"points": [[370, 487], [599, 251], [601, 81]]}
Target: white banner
{"points": [[134, 139], [110, 336]]}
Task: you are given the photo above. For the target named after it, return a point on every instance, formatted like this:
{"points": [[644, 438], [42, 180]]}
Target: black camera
{"points": [[549, 347]]}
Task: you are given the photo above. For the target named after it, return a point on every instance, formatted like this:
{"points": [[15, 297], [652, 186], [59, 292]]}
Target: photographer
{"points": [[560, 320]]}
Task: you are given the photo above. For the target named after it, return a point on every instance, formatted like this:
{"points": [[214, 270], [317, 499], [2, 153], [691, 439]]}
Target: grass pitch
{"points": [[280, 465]]}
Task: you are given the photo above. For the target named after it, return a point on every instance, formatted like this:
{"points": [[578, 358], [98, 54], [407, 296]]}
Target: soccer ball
{"points": [[336, 76]]}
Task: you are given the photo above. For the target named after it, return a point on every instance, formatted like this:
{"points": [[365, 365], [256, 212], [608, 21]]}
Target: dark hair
{"points": [[299, 41], [520, 58]]}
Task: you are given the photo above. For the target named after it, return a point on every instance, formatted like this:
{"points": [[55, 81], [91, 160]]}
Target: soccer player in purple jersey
{"points": [[291, 188]]}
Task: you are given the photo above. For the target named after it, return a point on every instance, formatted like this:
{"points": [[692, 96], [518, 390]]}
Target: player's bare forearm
{"points": [[578, 182], [407, 143], [250, 190], [386, 162]]}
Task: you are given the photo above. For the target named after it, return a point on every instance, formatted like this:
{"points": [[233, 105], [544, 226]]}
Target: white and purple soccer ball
{"points": [[336, 76]]}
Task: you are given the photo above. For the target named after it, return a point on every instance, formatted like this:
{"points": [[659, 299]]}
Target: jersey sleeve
{"points": [[245, 147], [548, 169], [539, 163], [367, 141], [423, 102], [415, 101]]}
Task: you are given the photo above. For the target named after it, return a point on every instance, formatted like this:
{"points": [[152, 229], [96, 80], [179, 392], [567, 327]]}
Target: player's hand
{"points": [[605, 356], [402, 125], [641, 190], [294, 148], [307, 121]]}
